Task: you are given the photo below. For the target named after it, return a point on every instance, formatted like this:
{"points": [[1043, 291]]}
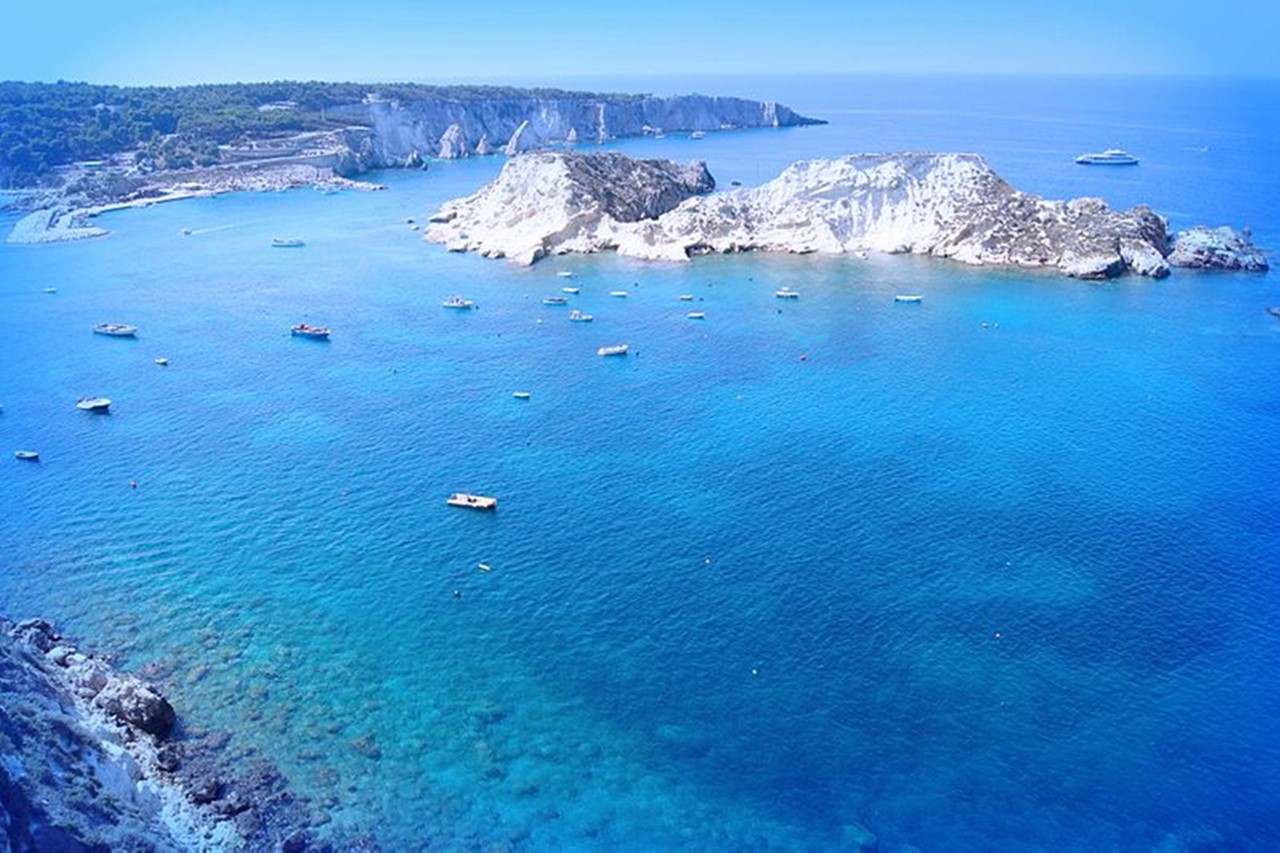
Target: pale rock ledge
{"points": [[946, 205]]}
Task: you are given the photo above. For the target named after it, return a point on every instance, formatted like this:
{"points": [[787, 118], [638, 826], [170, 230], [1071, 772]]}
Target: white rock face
{"points": [[453, 144], [948, 205], [1217, 248]]}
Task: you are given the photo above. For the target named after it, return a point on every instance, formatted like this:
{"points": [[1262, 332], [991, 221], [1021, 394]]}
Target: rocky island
{"points": [[945, 205]]}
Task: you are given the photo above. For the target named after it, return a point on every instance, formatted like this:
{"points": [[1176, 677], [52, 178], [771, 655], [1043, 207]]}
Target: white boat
{"points": [[163, 362], [51, 290], [616, 349], [471, 501], [116, 330], [29, 455], [908, 297], [621, 293], [457, 302], [786, 293], [686, 297], [306, 330], [521, 395], [287, 243], [576, 316], [93, 404], [554, 300], [1110, 157], [696, 315], [697, 134], [573, 290], [566, 273]]}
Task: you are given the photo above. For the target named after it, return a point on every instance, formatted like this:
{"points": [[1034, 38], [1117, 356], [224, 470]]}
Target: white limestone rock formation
{"points": [[1217, 248], [559, 202], [453, 145], [484, 147], [946, 205]]}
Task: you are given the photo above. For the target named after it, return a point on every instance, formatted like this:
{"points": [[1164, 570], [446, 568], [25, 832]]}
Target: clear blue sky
{"points": [[192, 41]]}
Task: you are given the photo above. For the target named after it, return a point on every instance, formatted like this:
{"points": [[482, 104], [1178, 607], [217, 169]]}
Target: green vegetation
{"points": [[44, 125]]}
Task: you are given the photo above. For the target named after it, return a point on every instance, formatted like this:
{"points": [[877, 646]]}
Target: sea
{"points": [[993, 571]]}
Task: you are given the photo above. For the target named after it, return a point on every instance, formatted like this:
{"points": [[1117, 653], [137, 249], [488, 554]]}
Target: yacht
{"points": [[521, 395], [576, 316], [163, 362], [93, 404], [457, 302], [697, 134], [287, 243], [305, 330], [566, 273], [616, 349], [1110, 157], [116, 330], [686, 297], [554, 300], [620, 293], [471, 501], [571, 290], [908, 297], [696, 315], [29, 455], [786, 293]]}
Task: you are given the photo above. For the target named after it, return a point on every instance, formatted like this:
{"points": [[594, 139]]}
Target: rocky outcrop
{"points": [[1217, 248], [563, 201], [524, 123], [453, 145], [87, 762], [946, 205]]}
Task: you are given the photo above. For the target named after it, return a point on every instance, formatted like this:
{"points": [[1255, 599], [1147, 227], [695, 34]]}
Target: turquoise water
{"points": [[798, 567]]}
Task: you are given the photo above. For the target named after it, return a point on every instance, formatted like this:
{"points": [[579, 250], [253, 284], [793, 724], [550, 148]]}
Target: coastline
{"points": [[95, 757]]}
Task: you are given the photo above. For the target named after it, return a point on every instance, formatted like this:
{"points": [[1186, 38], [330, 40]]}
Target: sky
{"points": [[144, 42]]}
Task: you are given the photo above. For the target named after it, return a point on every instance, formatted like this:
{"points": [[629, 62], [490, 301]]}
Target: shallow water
{"points": [[797, 567]]}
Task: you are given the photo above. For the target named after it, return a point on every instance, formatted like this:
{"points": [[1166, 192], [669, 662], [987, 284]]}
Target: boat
{"points": [[908, 297], [484, 567], [29, 455], [554, 300], [471, 501], [458, 302], [616, 349], [93, 404], [163, 362], [51, 290], [686, 297], [566, 273], [697, 134], [186, 232], [1274, 312], [696, 315], [287, 243], [786, 293], [305, 330], [521, 395], [622, 293], [576, 316], [1110, 157], [116, 330], [573, 290]]}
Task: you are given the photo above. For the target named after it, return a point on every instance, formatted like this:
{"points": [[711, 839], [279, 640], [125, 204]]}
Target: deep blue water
{"points": [[964, 586]]}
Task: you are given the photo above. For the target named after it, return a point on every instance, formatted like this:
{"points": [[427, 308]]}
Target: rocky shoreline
{"points": [[92, 758], [946, 205]]}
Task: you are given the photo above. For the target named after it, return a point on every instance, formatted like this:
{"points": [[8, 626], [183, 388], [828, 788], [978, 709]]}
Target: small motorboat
{"points": [[576, 316], [162, 362], [471, 501], [686, 297], [51, 290], [566, 274], [696, 315], [618, 293], [457, 302], [616, 349], [786, 293], [554, 300], [908, 297], [571, 290], [287, 243], [521, 395], [305, 330], [115, 330], [94, 404], [28, 455]]}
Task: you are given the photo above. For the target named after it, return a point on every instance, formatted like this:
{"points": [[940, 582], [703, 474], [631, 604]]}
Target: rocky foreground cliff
{"points": [[946, 205], [90, 761]]}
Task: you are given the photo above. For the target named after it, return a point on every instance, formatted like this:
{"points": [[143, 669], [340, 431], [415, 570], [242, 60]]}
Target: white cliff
{"points": [[947, 205]]}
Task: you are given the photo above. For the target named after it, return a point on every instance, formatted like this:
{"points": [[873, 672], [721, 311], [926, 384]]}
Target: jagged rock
{"points": [[453, 144], [206, 791], [138, 705], [521, 139], [572, 136], [947, 205], [484, 147], [580, 199], [1217, 248]]}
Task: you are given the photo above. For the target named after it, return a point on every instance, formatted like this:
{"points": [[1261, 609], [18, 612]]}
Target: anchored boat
{"points": [[115, 330], [471, 501]]}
